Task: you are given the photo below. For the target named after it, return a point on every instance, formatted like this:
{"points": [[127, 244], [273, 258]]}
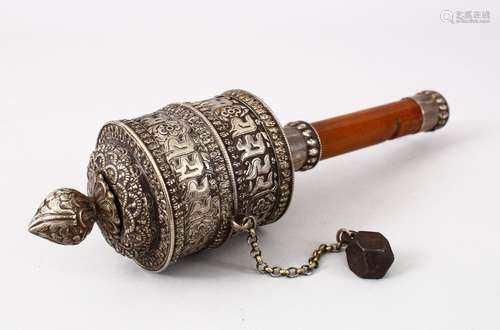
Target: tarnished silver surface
{"points": [[305, 145], [176, 179], [435, 110]]}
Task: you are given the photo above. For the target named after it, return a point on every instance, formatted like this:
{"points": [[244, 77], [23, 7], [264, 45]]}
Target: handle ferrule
{"points": [[435, 110]]}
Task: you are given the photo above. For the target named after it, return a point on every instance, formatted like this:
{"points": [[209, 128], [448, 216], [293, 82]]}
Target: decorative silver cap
{"points": [[305, 145], [435, 110]]}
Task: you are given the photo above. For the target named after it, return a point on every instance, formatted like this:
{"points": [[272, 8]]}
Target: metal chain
{"points": [[249, 225]]}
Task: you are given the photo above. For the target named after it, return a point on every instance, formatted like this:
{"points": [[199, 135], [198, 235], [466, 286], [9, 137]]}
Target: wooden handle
{"points": [[364, 128], [423, 112]]}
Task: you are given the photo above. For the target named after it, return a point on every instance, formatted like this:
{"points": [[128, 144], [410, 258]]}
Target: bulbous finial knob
{"points": [[67, 216]]}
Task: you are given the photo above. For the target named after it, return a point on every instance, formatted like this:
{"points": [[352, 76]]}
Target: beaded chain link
{"points": [[249, 225]]}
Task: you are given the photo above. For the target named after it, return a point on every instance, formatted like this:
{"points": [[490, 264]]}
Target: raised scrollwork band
{"points": [[281, 151]]}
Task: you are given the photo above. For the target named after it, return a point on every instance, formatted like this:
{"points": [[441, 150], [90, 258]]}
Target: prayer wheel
{"points": [[183, 178]]}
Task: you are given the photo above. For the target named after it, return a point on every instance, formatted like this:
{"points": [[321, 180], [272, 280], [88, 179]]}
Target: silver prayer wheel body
{"points": [[186, 177], [171, 183]]}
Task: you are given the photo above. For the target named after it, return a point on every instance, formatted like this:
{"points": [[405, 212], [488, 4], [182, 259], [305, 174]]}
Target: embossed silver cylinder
{"points": [[182, 174]]}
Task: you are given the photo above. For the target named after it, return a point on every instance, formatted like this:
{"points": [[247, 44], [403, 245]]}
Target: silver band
{"points": [[435, 110], [305, 145]]}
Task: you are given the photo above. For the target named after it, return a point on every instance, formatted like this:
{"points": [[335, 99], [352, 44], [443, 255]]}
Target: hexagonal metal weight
{"points": [[369, 255]]}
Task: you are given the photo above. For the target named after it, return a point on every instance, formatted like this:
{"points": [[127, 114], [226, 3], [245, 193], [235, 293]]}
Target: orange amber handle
{"points": [[423, 112], [361, 129]]}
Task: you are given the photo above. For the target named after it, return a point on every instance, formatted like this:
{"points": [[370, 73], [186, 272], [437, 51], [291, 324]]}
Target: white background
{"points": [[68, 67]]}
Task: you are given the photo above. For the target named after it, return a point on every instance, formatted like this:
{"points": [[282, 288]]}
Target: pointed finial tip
{"points": [[65, 217]]}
